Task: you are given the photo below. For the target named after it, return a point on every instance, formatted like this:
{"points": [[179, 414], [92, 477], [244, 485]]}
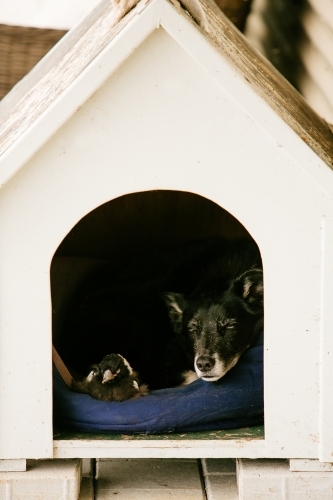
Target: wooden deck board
{"points": [[247, 433]]}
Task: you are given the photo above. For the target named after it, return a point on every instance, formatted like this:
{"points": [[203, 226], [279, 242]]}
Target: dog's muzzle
{"points": [[211, 368], [205, 363], [208, 368]]}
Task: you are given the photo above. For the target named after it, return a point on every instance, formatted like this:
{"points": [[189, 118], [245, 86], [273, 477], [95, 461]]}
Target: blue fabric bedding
{"points": [[236, 400]]}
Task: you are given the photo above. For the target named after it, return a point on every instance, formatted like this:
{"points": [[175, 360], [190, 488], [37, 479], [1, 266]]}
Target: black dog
{"points": [[200, 303]]}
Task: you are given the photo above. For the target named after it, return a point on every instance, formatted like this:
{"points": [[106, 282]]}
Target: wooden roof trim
{"points": [[60, 74], [270, 84]]}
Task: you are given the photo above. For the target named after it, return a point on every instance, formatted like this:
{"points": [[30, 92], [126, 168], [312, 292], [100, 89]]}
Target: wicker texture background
{"points": [[20, 49]]}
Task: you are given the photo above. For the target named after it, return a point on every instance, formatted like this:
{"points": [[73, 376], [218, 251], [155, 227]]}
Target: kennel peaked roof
{"points": [[88, 55]]}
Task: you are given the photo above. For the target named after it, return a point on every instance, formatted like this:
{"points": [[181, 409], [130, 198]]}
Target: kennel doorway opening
{"points": [[138, 223]]}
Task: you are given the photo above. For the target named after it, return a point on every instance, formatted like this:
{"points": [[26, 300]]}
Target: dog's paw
{"points": [[143, 390]]}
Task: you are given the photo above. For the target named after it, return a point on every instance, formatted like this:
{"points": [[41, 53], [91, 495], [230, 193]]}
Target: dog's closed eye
{"points": [[226, 325], [193, 327]]}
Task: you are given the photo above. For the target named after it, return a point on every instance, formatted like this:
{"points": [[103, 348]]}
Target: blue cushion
{"points": [[236, 400]]}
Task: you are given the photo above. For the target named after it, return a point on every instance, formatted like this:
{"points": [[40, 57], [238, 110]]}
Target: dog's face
{"points": [[220, 325]]}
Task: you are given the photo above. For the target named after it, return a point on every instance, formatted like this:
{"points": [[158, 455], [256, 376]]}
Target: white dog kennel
{"points": [[159, 103]]}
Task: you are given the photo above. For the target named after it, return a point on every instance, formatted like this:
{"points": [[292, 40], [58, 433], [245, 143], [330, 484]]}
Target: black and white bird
{"points": [[113, 379]]}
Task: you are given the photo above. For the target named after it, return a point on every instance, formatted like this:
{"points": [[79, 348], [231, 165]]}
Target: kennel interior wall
{"points": [[164, 120]]}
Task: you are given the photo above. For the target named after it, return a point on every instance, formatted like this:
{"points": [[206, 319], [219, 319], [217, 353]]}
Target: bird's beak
{"points": [[107, 375]]}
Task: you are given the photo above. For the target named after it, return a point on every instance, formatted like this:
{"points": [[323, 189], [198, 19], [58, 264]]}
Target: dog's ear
{"points": [[250, 286], [176, 304]]}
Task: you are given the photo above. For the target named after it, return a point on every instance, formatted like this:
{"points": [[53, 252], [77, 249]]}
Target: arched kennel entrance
{"points": [[143, 223]]}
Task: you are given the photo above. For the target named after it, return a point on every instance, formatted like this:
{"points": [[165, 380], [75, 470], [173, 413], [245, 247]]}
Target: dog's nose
{"points": [[205, 363]]}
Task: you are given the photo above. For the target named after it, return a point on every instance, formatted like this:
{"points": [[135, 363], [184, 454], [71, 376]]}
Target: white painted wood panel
{"points": [[159, 449], [326, 344], [18, 465]]}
